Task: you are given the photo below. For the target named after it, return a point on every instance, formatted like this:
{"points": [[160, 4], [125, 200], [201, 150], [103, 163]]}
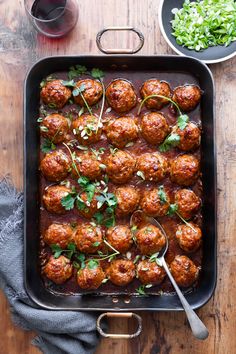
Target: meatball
{"points": [[120, 237], [84, 128], [155, 87], [90, 278], [154, 128], [189, 137], [92, 92], [122, 131], [150, 272], [153, 166], [120, 166], [189, 237], [184, 271], [121, 272], [85, 207], [55, 166], [55, 93], [58, 234], [184, 170], [127, 200], [150, 239], [152, 204], [187, 97], [88, 238], [188, 203], [58, 269], [55, 128], [52, 198], [87, 165], [121, 96]]}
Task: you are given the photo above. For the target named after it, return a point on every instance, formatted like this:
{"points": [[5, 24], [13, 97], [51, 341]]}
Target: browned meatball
{"points": [[150, 272], [153, 166], [58, 234], [154, 128], [127, 200], [188, 203], [189, 237], [150, 239], [92, 92], [88, 166], [84, 128], [55, 128], [120, 237], [121, 272], [187, 97], [189, 137], [55, 166], [155, 87], [58, 269], [90, 278], [184, 271], [55, 93], [88, 238], [87, 208], [184, 170], [52, 198], [120, 166], [122, 131], [121, 96], [152, 205]]}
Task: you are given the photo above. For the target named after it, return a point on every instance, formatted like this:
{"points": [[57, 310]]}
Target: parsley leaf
{"points": [[71, 249], [98, 217], [76, 71], [141, 290], [78, 90], [93, 264], [162, 194], [81, 258], [68, 201], [97, 73], [47, 146], [172, 209], [182, 121], [171, 141], [57, 251], [70, 83]]}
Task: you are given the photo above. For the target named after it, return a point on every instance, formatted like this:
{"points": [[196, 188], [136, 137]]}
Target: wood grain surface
{"points": [[20, 47]]}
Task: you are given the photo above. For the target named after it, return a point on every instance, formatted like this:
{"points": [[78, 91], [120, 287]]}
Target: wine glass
{"points": [[53, 18]]}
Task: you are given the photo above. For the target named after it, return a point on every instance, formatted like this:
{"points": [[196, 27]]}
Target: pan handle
{"points": [[119, 51], [119, 314]]}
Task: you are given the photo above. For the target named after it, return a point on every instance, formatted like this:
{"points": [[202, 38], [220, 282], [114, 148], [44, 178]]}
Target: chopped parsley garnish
{"points": [[162, 194], [171, 141], [76, 71], [47, 146], [182, 121], [97, 73]]}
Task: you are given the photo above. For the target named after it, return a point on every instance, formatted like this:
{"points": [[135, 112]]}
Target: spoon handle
{"points": [[198, 328]]}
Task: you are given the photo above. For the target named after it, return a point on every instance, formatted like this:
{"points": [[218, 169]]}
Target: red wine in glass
{"points": [[54, 18]]}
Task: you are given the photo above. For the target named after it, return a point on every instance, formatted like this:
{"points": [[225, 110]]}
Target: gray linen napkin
{"points": [[59, 332]]}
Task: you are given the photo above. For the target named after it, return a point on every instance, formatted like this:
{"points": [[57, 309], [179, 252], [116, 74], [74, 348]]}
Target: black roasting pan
{"points": [[33, 283]]}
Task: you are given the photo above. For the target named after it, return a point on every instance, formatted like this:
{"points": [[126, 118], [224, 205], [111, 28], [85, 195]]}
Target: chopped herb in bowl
{"points": [[202, 24]]}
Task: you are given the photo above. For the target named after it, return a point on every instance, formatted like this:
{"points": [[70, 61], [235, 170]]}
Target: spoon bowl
{"points": [[198, 328]]}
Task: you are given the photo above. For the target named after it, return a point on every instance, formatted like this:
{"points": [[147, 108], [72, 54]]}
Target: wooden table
{"points": [[20, 47]]}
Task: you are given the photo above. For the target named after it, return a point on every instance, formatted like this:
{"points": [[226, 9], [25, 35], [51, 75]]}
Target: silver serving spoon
{"points": [[198, 328]]}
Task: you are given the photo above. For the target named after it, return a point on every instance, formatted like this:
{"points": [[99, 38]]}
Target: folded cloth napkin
{"points": [[59, 332]]}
